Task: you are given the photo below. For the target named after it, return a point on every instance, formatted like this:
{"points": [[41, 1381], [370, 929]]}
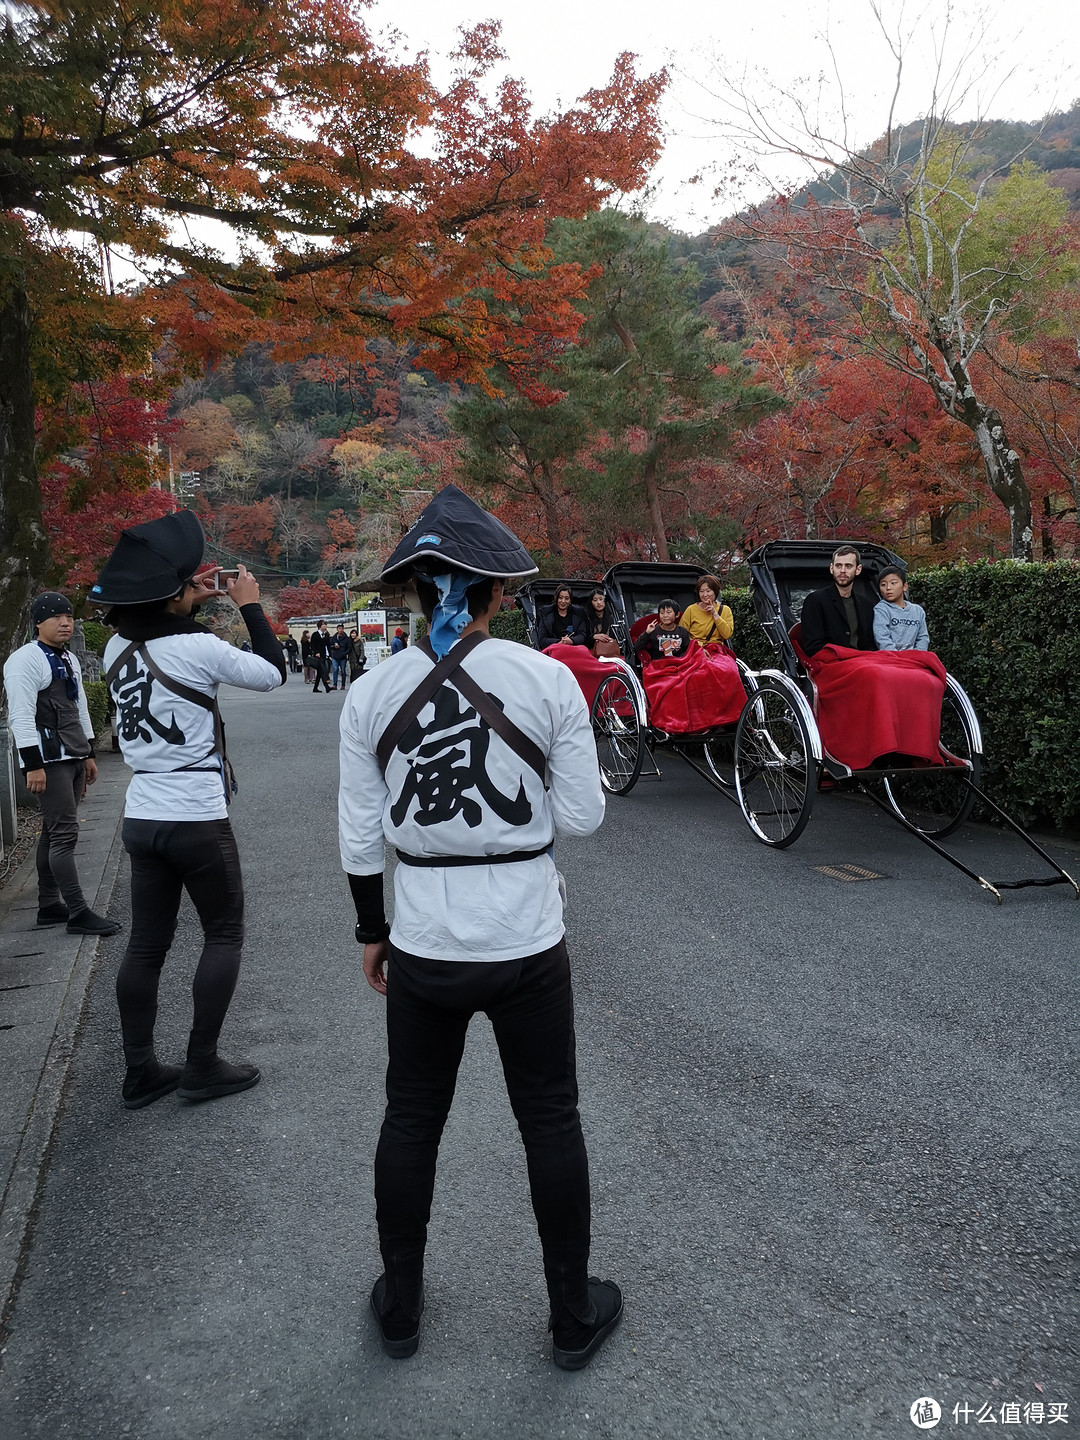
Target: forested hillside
{"points": [[715, 395]]}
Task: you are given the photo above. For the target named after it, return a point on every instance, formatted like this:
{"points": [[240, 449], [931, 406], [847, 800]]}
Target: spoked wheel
{"points": [[720, 758], [620, 741], [939, 799], [775, 767]]}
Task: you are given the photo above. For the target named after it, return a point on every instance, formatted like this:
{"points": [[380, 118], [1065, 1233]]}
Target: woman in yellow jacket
{"points": [[708, 620]]}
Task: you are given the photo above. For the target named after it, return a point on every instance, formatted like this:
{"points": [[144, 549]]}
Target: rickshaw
{"points": [[780, 760], [626, 735]]}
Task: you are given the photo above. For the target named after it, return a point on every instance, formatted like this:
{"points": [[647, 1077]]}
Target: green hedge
{"points": [[97, 699], [506, 625], [1010, 634], [96, 636]]}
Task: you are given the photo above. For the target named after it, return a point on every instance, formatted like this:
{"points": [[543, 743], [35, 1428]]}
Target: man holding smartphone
{"points": [[163, 670]]}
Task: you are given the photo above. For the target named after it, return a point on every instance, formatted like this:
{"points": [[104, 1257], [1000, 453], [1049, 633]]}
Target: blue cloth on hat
{"points": [[452, 612]]}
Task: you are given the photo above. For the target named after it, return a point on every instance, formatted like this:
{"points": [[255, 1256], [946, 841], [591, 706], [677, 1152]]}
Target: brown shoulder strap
{"points": [[119, 663], [423, 693], [197, 697], [525, 748], [507, 731], [521, 744]]}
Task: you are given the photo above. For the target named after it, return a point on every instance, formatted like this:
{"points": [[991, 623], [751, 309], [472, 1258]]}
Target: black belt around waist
{"points": [[445, 862]]}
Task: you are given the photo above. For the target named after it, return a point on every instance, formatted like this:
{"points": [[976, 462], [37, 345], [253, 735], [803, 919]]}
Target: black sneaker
{"points": [[143, 1084], [206, 1080], [400, 1332], [86, 922], [52, 914], [574, 1341]]}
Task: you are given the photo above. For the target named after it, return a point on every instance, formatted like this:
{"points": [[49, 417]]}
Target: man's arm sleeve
{"points": [[367, 894], [23, 680], [84, 704], [361, 798], [228, 665], [264, 642], [813, 626], [574, 788]]}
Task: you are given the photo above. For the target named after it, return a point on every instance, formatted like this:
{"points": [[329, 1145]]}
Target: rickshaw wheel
{"points": [[720, 758], [938, 801], [620, 743], [775, 768]]}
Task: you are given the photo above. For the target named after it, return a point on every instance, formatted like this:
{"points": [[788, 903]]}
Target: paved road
{"points": [[827, 1121]]}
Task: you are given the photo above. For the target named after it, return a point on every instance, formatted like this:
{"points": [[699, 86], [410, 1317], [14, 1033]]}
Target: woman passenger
{"points": [[599, 618], [709, 620], [561, 623]]}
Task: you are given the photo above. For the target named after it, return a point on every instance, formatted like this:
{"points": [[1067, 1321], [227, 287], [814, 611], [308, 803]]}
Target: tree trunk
{"points": [[656, 514], [545, 487], [1004, 473], [939, 526], [24, 546], [1048, 552], [1005, 476]]}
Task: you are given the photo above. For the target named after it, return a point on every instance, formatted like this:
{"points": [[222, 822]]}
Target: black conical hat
{"points": [[151, 561], [456, 533]]}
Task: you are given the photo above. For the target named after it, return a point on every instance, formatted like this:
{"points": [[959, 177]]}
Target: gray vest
{"points": [[58, 723]]}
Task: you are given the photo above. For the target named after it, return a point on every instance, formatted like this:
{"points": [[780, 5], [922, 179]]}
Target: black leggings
{"points": [[530, 1005], [168, 857]]}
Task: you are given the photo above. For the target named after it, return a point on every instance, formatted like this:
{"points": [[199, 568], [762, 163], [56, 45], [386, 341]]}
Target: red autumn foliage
{"points": [[308, 598]]}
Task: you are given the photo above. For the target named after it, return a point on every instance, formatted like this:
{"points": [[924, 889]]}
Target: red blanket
{"points": [[877, 702], [588, 670], [696, 691]]}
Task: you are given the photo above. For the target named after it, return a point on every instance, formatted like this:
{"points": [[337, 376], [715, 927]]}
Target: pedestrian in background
{"points": [[50, 720], [163, 670], [357, 656], [305, 657], [319, 649], [339, 656]]}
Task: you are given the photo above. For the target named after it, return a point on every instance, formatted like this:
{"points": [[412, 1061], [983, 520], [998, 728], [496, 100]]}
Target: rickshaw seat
{"points": [[795, 636]]}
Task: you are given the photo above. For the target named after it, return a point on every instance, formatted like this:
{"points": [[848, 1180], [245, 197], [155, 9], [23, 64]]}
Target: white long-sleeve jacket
{"points": [[453, 787], [161, 733], [26, 673]]}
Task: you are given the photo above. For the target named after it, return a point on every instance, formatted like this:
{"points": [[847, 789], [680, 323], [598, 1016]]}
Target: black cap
{"points": [[44, 606], [152, 561], [454, 533]]}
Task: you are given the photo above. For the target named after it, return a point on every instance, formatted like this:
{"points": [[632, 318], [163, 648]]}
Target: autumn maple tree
{"points": [[366, 201], [935, 260]]}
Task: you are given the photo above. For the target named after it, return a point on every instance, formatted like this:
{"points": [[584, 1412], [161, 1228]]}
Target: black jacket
{"points": [[551, 626], [598, 625], [319, 644], [824, 620]]}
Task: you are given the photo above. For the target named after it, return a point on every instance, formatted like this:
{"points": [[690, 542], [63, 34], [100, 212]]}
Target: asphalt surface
{"points": [[831, 1139]]}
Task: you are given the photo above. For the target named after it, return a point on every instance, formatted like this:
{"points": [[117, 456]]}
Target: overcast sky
{"points": [[564, 47]]}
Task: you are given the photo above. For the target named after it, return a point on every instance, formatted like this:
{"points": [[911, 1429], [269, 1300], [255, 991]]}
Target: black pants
{"points": [[530, 1005], [65, 781], [322, 672], [168, 857]]}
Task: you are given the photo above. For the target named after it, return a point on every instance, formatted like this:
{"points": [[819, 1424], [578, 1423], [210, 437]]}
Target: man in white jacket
{"points": [[469, 755], [50, 721], [163, 670]]}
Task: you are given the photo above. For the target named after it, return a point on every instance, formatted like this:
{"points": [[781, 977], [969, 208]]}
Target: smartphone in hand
{"points": [[222, 577]]}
